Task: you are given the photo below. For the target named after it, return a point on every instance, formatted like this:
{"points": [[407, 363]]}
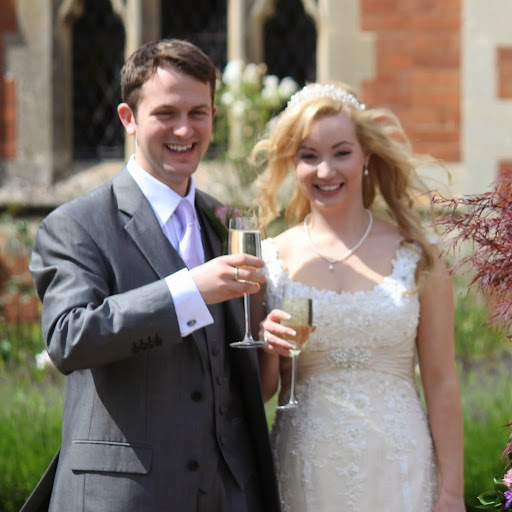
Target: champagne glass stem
{"points": [[247, 307], [293, 400], [248, 341]]}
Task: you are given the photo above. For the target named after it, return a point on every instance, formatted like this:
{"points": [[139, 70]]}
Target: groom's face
{"points": [[172, 126]]}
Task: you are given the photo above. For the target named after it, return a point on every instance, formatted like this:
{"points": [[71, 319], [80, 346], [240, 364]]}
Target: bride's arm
{"points": [[268, 361], [269, 373], [436, 353]]}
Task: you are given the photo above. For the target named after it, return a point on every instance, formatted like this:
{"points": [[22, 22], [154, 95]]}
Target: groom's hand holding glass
{"points": [[228, 277]]}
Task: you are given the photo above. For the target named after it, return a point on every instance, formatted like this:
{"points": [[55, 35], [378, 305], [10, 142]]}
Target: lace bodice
{"points": [[360, 420], [373, 329]]}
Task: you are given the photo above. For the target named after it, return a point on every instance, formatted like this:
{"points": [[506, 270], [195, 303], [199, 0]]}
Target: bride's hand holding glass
{"points": [[280, 337], [295, 326], [274, 331]]}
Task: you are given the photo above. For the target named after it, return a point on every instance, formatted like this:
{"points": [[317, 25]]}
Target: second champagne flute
{"points": [[244, 238], [300, 310]]}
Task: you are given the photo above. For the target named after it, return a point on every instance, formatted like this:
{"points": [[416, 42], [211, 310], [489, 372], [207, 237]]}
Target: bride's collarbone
{"points": [[363, 270], [338, 277]]}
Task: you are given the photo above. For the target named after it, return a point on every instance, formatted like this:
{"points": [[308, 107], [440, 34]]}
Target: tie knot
{"points": [[185, 213]]}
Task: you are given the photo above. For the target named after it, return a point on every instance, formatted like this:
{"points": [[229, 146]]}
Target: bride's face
{"points": [[329, 162]]}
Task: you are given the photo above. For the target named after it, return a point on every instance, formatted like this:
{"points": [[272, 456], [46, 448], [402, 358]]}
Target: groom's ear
{"points": [[127, 117]]}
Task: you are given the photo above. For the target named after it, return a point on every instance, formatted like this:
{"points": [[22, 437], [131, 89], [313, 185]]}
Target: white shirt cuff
{"points": [[191, 310]]}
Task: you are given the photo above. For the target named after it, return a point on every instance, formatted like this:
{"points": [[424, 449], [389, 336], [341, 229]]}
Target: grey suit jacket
{"points": [[139, 407]]}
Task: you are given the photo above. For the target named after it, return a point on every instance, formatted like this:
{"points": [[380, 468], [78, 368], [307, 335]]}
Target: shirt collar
{"points": [[163, 199]]}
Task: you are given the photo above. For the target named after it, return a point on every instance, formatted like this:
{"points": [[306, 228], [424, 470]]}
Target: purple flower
{"points": [[219, 219], [508, 497], [224, 213]]}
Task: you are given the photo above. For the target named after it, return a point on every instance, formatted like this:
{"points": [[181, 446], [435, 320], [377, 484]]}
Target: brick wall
{"points": [[18, 301], [504, 69], [7, 87], [418, 69]]}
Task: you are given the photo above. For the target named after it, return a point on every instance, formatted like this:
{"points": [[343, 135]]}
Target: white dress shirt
{"points": [[191, 310]]}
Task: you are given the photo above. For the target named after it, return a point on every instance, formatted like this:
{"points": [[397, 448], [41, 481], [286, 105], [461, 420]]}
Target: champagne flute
{"points": [[244, 237], [300, 310]]}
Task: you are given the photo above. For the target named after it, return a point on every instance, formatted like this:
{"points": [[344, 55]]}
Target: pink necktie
{"points": [[190, 243]]}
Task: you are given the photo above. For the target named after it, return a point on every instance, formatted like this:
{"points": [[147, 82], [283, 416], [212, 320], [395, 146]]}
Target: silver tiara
{"points": [[329, 90]]}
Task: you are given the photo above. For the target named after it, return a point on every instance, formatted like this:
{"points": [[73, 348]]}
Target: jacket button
{"points": [[193, 465], [215, 351], [196, 396]]}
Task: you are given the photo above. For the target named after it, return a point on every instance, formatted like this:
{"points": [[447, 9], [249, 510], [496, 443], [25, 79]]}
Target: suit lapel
{"points": [[143, 227]]}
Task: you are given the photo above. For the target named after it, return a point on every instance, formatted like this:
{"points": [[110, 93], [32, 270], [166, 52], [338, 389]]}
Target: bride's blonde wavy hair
{"points": [[391, 187]]}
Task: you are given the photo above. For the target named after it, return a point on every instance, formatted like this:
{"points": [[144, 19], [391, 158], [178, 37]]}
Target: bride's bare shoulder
{"points": [[288, 239]]}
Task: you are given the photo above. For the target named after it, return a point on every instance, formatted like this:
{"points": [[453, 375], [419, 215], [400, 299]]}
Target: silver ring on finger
{"points": [[236, 273], [265, 338]]}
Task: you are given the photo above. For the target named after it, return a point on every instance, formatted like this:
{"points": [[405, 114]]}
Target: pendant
{"points": [[331, 267]]}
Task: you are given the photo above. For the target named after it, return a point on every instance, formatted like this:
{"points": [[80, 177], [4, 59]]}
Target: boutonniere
{"points": [[219, 219]]}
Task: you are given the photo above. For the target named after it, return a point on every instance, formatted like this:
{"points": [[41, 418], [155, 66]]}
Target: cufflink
{"points": [[191, 323]]}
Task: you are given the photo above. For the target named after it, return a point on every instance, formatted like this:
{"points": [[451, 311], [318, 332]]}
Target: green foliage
{"points": [[30, 416], [492, 500], [483, 355], [475, 339], [18, 345], [30, 425], [485, 394]]}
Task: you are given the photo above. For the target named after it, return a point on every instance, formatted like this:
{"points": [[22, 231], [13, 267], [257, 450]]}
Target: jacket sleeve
{"points": [[97, 309]]}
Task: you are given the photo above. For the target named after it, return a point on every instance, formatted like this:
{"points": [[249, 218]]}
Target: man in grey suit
{"points": [[159, 414]]}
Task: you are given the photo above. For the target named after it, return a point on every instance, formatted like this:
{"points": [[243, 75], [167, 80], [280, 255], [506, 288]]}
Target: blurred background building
{"points": [[444, 66]]}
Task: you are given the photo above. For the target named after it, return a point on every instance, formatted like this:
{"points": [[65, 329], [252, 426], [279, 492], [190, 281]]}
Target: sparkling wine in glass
{"points": [[244, 237], [300, 310]]}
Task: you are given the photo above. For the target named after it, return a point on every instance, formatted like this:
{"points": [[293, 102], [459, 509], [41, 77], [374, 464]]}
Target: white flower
{"points": [[251, 74], [232, 74], [271, 82], [287, 87], [227, 98], [238, 108], [270, 94], [43, 360]]}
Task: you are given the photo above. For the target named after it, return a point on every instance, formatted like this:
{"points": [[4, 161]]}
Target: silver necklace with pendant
{"points": [[333, 261]]}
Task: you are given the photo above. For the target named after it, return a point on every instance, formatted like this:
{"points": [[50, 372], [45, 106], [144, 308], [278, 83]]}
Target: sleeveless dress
{"points": [[360, 439]]}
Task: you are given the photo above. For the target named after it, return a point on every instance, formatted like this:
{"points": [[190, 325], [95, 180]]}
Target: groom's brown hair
{"points": [[175, 53]]}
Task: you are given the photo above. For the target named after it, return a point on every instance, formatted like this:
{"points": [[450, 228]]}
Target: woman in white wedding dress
{"points": [[360, 439]]}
